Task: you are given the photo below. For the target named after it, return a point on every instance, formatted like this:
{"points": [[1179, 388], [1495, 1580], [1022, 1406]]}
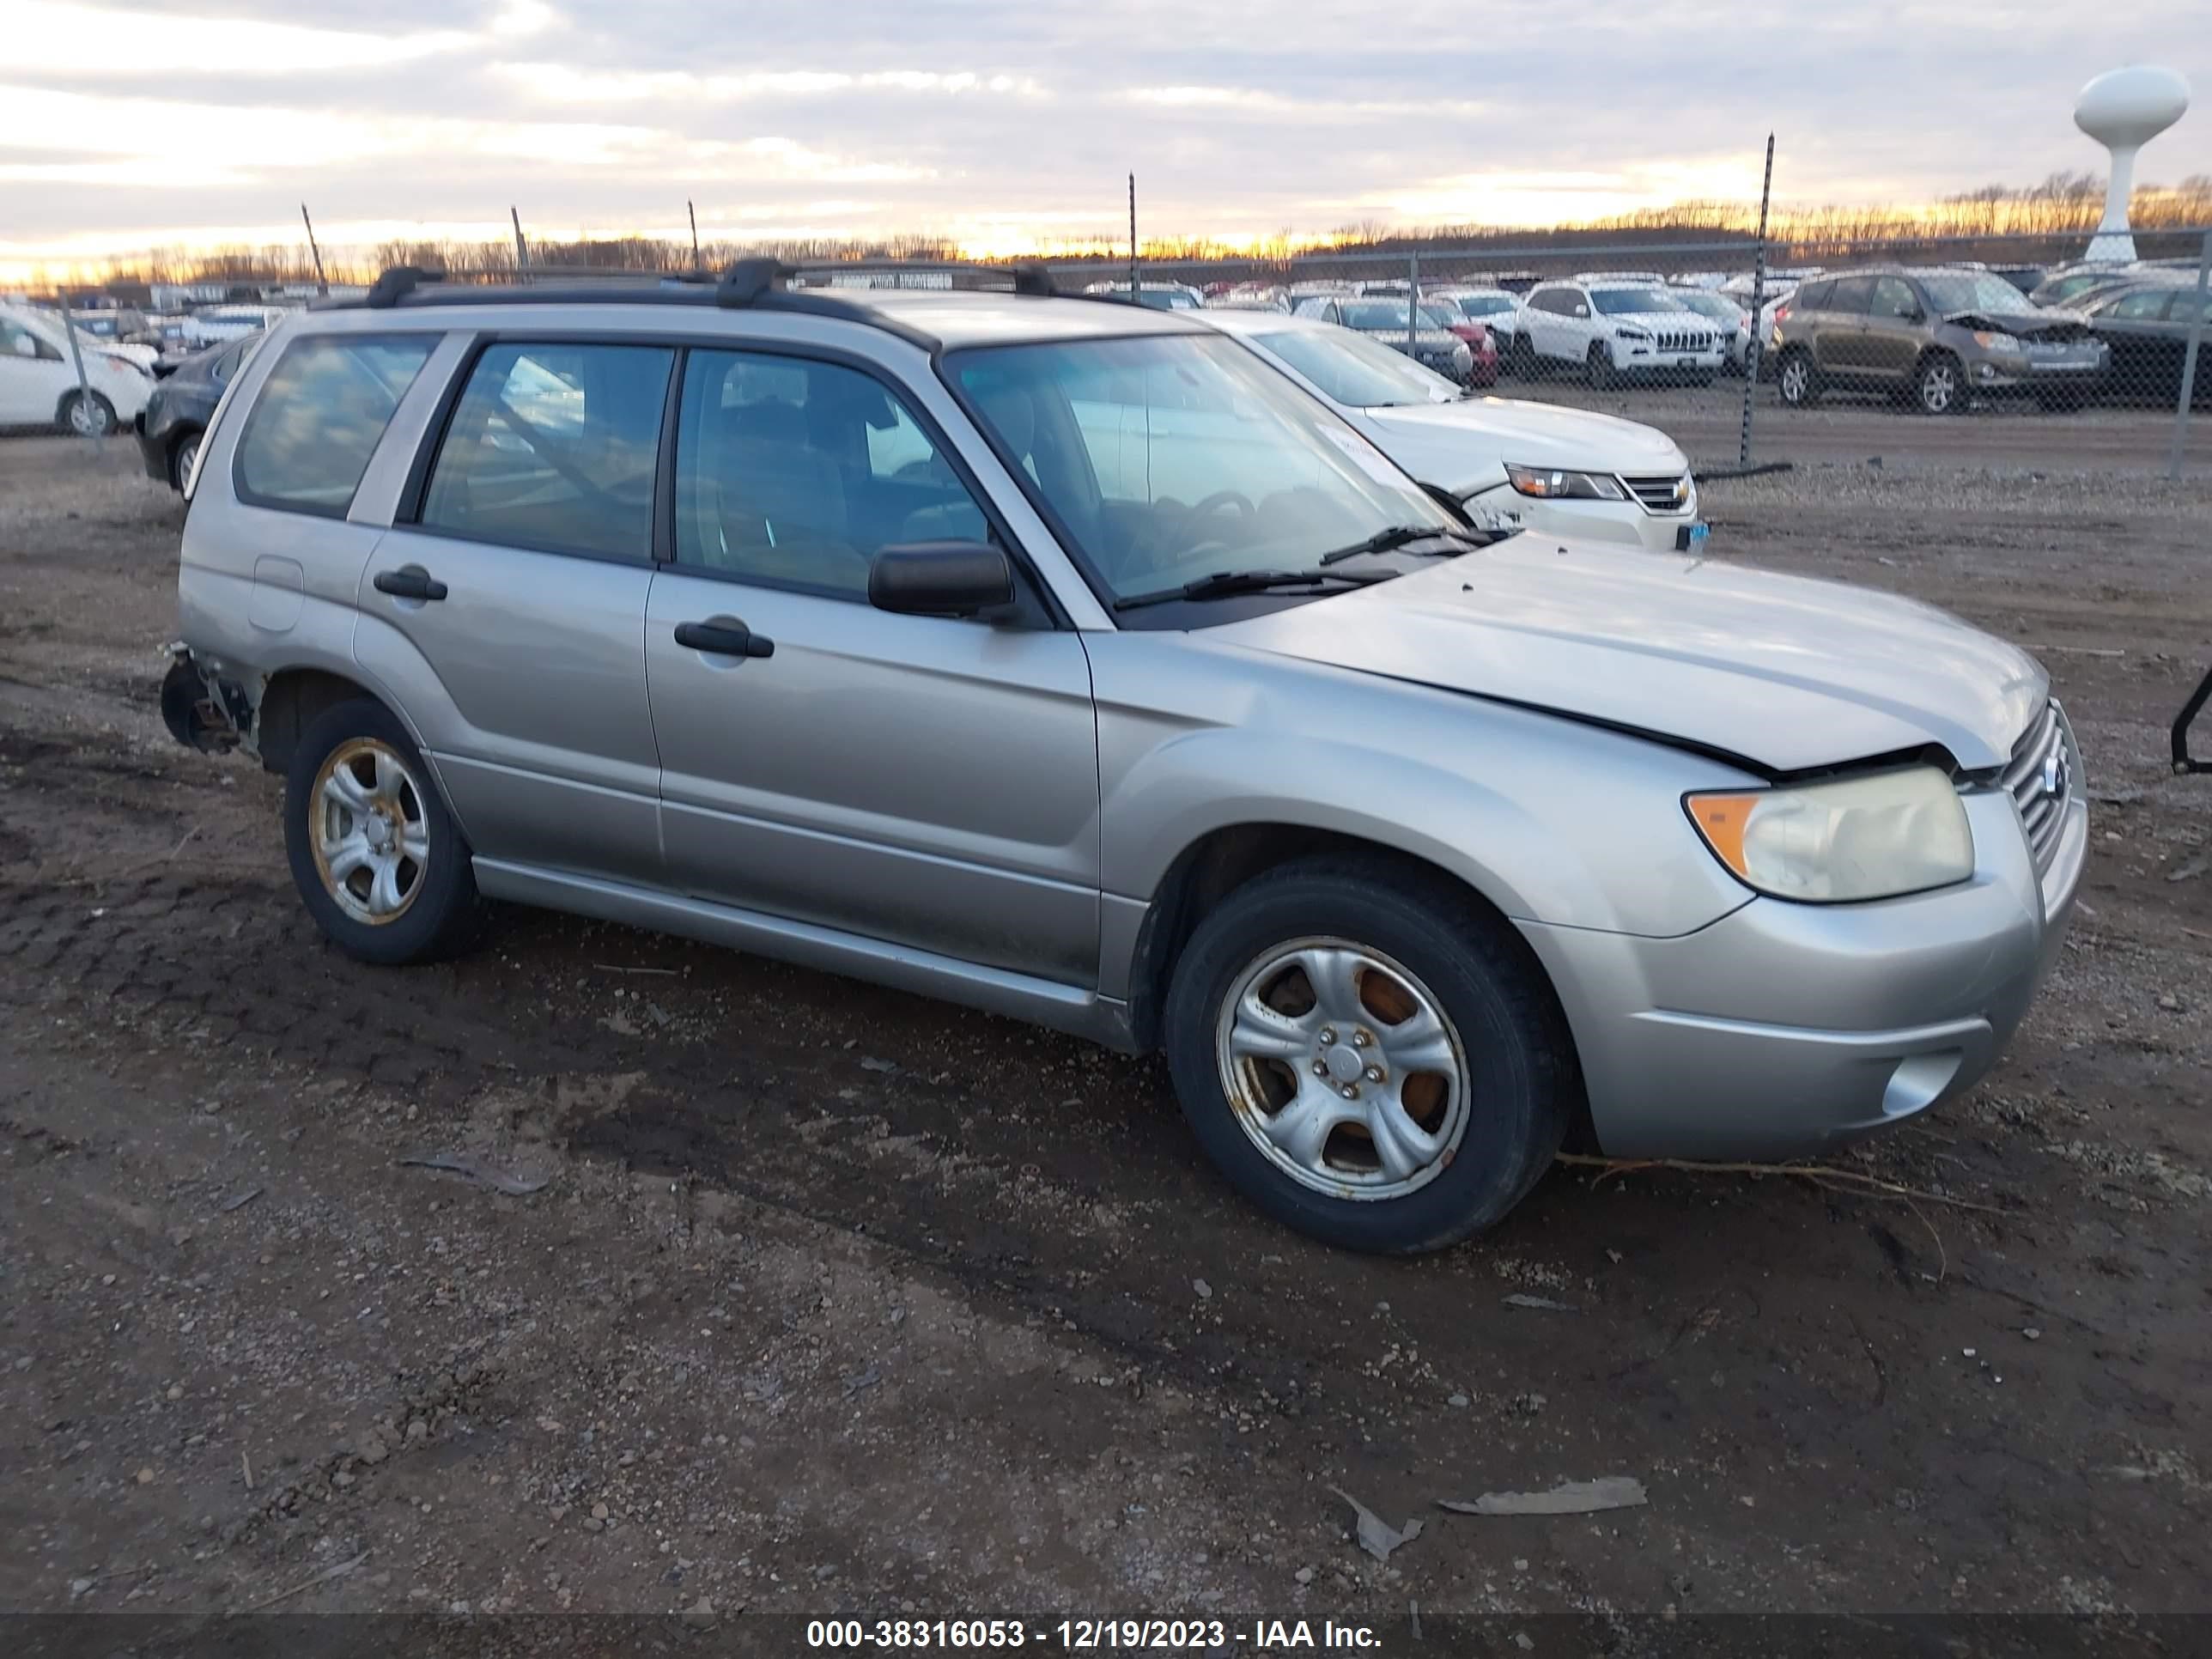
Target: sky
{"points": [[1006, 124]]}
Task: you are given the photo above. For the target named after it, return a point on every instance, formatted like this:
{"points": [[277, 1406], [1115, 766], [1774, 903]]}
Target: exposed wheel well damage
{"points": [[291, 702]]}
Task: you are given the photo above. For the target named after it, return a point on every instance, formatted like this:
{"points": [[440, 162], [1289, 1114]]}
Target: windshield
{"points": [[1389, 314], [1721, 310], [1482, 304], [1627, 302], [1955, 291], [1167, 459], [1355, 371]]}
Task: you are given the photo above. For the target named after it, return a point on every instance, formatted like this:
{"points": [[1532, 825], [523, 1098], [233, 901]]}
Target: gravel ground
{"points": [[837, 1301]]}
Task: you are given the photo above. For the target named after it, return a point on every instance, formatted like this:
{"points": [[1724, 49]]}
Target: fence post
{"points": [[521, 247], [1136, 294], [2189, 361], [1757, 299], [84, 384], [1412, 303]]}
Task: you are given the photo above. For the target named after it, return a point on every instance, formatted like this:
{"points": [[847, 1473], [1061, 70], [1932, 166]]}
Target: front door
{"points": [[520, 586], [33, 376], [1894, 331], [928, 781], [1839, 339]]}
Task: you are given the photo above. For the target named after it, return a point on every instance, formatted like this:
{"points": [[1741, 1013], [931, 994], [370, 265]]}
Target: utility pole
{"points": [[2189, 360], [694, 213], [1757, 299], [521, 248], [322, 283], [1133, 290]]}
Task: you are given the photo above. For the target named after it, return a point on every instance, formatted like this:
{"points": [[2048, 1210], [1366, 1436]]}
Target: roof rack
{"points": [[743, 282]]}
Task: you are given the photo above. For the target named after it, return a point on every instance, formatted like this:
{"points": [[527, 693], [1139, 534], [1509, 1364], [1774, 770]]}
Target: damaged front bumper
{"points": [[202, 709]]}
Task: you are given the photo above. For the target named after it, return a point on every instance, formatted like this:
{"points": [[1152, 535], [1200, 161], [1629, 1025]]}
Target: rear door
{"points": [[517, 582], [1839, 342], [1895, 329], [2146, 349], [923, 780]]}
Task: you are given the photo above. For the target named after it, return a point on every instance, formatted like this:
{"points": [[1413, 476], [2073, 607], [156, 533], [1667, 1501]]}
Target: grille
{"points": [[1683, 339], [2029, 778], [1657, 493]]}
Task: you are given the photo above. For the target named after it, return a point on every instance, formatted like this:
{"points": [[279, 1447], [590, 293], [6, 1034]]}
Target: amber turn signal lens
{"points": [[1721, 820]]}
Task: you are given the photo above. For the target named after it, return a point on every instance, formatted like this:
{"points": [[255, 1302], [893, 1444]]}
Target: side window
{"points": [[2143, 307], [1893, 297], [319, 417], [16, 341], [1813, 296], [554, 446], [1850, 296], [2188, 306], [798, 473]]}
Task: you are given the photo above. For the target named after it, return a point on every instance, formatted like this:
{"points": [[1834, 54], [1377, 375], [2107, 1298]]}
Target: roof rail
{"points": [[746, 280], [395, 284]]}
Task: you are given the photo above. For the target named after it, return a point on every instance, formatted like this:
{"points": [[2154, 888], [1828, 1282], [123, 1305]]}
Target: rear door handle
{"points": [[725, 637], [409, 582]]}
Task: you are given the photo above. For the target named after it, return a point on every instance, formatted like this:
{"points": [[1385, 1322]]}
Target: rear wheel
{"points": [[87, 415], [1369, 1055], [377, 858], [1521, 356], [1796, 378], [1939, 385], [181, 459]]}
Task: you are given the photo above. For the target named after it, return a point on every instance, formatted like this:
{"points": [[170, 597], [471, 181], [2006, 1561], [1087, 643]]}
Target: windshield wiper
{"points": [[1383, 541], [1224, 583]]}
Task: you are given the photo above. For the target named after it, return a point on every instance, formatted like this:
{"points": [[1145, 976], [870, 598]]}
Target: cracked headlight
{"points": [[1550, 485], [1873, 836]]}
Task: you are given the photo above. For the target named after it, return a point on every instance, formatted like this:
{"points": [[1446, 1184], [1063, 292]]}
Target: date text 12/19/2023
{"points": [[1085, 1635]]}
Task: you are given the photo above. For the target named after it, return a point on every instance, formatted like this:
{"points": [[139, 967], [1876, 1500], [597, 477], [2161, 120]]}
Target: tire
{"points": [[1597, 367], [1485, 1123], [1798, 378], [89, 415], [181, 457], [426, 914], [1521, 357], [1939, 385]]}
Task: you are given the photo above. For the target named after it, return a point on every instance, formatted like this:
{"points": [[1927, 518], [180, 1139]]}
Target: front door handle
{"points": [[723, 637], [409, 582]]}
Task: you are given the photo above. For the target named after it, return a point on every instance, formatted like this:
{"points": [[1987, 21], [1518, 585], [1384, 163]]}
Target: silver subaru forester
{"points": [[1063, 659]]}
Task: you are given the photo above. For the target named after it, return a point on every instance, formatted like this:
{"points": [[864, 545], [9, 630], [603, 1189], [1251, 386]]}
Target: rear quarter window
{"points": [[319, 416]]}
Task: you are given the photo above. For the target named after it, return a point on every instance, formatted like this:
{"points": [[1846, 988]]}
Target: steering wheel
{"points": [[1221, 498]]}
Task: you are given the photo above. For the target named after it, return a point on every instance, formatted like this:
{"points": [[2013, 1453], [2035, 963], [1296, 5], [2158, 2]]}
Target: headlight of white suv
{"points": [[1550, 485], [1868, 837]]}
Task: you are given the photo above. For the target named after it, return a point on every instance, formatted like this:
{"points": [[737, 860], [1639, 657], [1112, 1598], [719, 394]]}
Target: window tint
{"points": [[2189, 306], [1813, 296], [1849, 296], [799, 473], [1893, 297], [319, 417], [554, 446], [2148, 305]]}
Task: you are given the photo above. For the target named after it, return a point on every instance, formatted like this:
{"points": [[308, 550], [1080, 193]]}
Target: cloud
{"points": [[56, 37]]}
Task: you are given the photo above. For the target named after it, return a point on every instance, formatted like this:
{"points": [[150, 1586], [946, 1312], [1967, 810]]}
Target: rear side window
{"points": [[554, 446], [319, 417], [1850, 295], [2140, 307], [1814, 296]]}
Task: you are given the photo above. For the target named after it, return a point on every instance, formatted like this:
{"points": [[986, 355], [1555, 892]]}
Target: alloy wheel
{"points": [[1343, 1069], [366, 825]]}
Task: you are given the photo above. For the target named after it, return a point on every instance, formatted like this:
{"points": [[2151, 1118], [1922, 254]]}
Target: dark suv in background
{"points": [[1939, 336]]}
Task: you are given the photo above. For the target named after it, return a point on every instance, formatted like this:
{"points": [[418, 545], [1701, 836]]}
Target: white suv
{"points": [[1616, 330]]}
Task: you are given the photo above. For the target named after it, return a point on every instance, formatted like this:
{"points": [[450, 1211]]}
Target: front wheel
{"points": [[88, 414], [378, 860], [1369, 1055], [1938, 385], [1598, 368]]}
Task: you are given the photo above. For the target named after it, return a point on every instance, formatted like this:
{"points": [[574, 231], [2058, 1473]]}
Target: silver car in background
{"points": [[1063, 659]]}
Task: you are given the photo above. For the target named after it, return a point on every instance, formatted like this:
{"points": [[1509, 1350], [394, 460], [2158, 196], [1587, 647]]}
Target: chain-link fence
{"points": [[2001, 350]]}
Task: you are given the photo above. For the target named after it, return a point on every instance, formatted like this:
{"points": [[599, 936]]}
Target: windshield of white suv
{"points": [[1627, 301], [1951, 292], [1355, 371], [1166, 459]]}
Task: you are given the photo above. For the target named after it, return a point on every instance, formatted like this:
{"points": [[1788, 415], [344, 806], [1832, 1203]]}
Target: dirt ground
{"points": [[838, 1301]]}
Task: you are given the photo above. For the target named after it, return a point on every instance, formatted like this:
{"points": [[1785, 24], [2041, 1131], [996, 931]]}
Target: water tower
{"points": [[2124, 110]]}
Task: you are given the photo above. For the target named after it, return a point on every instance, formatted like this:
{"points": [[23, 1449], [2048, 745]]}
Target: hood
{"points": [[1786, 672], [1465, 443], [2031, 323], [1429, 339]]}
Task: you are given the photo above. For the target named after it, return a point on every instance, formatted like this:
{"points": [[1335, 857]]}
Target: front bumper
{"points": [[1611, 524], [154, 450], [1992, 370], [1783, 1029]]}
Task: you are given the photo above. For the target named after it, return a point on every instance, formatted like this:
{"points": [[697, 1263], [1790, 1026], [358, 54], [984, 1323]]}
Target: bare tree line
{"points": [[2062, 206]]}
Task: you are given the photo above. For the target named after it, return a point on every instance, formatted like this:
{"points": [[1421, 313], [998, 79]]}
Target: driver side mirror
{"points": [[1581, 311], [940, 578], [26, 346]]}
